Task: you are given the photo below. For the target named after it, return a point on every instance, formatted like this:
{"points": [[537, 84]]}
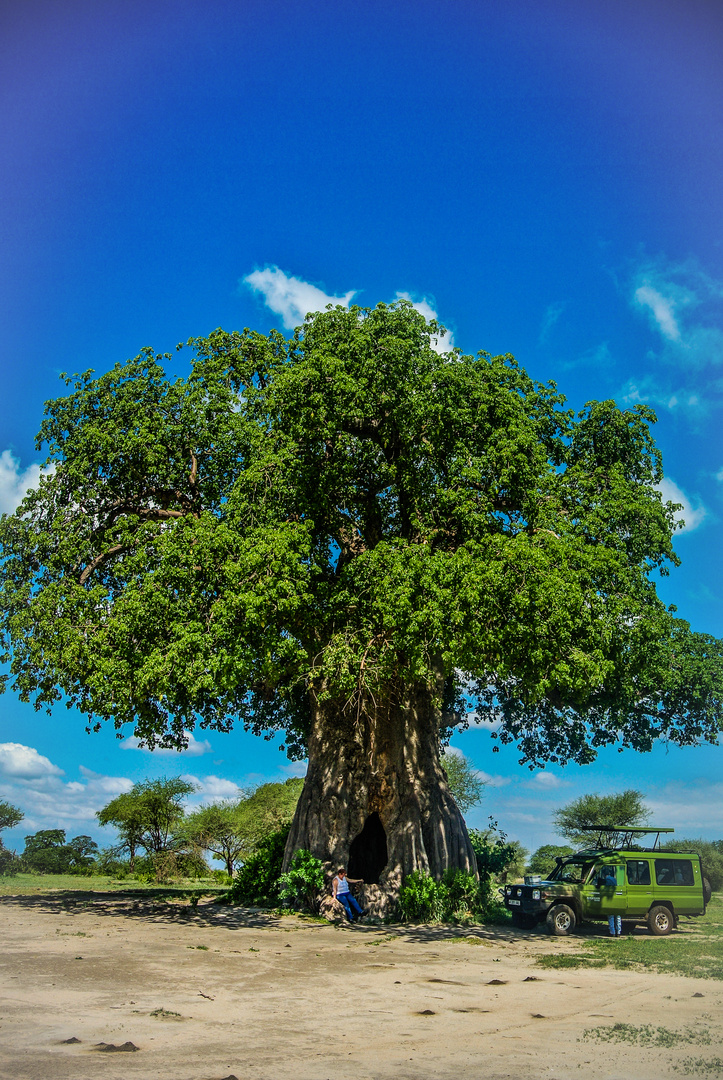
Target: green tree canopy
{"points": [[214, 828], [147, 816], [624, 808], [47, 852], [542, 861], [10, 815], [266, 810], [340, 509], [464, 781]]}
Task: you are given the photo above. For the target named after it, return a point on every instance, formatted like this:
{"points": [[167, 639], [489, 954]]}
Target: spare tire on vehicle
{"points": [[707, 891]]}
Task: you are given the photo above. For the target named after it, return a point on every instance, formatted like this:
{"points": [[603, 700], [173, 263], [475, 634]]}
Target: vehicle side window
{"points": [[638, 872], [605, 875], [674, 872]]}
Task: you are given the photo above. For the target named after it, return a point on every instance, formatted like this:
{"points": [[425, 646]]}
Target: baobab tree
{"points": [[351, 538]]}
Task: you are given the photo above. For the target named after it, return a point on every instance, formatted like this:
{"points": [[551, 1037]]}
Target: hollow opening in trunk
{"points": [[368, 851]]}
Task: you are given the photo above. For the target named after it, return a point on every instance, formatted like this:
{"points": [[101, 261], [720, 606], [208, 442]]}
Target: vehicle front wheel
{"points": [[523, 921], [561, 920], [660, 920]]}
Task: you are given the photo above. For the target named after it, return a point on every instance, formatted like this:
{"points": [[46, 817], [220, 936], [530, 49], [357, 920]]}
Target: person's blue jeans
{"points": [[615, 923], [349, 904]]}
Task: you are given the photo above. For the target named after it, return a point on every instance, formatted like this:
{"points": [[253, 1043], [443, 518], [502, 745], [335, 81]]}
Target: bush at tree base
{"points": [[458, 897], [257, 882], [303, 882]]}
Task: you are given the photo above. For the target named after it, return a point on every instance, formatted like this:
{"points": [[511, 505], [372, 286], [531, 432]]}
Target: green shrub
{"points": [[301, 885], [221, 877], [9, 862], [458, 897], [495, 857], [421, 898], [257, 882]]}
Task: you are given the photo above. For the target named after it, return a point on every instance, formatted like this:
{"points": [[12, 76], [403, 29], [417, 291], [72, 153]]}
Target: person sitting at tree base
{"points": [[342, 893]]}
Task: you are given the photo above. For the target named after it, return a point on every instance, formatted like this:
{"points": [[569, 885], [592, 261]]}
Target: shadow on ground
{"points": [[167, 905]]}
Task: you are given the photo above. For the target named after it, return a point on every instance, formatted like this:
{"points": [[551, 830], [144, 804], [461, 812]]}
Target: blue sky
{"points": [[546, 176]]}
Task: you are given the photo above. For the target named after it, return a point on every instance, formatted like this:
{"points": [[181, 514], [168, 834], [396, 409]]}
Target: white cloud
{"points": [[212, 789], [684, 305], [15, 482], [488, 723], [295, 769], [647, 390], [552, 314], [24, 762], [195, 747], [547, 781], [662, 308], [694, 807], [493, 779], [691, 515], [444, 342], [293, 299], [290, 297], [32, 782]]}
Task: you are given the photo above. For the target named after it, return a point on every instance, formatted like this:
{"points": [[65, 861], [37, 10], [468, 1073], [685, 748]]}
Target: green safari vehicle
{"points": [[652, 886]]}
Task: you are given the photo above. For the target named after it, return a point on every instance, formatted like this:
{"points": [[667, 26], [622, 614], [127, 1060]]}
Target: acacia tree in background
{"points": [[349, 537], [231, 831], [148, 815], [214, 828], [10, 815], [592, 810]]}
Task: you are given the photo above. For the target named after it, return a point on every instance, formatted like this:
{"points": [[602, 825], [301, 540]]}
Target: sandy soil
{"points": [[284, 999]]}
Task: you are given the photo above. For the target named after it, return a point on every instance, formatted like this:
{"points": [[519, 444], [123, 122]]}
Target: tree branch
{"points": [[100, 559]]}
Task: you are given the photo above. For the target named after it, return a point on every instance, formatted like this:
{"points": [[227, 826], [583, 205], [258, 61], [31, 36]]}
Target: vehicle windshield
{"points": [[574, 873]]}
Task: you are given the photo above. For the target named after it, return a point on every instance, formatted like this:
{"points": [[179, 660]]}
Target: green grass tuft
{"points": [[647, 1035], [694, 950], [700, 1066]]}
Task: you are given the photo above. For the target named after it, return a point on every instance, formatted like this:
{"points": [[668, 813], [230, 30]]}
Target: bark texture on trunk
{"points": [[375, 786]]}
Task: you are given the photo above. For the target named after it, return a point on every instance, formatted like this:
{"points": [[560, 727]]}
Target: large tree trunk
{"points": [[376, 798]]}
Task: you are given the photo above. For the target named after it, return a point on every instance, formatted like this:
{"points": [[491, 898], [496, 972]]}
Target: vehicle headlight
{"points": [[535, 894], [508, 891]]}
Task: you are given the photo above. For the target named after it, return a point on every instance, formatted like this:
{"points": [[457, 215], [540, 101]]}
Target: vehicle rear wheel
{"points": [[523, 921], [707, 891], [561, 920], [660, 920]]}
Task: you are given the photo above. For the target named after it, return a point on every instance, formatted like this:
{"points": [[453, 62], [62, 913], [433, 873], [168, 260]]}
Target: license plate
{"points": [[515, 903]]}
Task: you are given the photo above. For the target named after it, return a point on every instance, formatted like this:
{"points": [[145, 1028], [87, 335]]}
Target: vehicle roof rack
{"points": [[620, 836]]}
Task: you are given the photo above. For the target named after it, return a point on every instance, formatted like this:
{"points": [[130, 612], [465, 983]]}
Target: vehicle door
{"points": [[678, 881], [601, 900], [639, 885]]}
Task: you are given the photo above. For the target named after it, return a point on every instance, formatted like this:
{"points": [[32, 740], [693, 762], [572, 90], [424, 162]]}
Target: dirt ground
{"points": [[249, 995]]}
